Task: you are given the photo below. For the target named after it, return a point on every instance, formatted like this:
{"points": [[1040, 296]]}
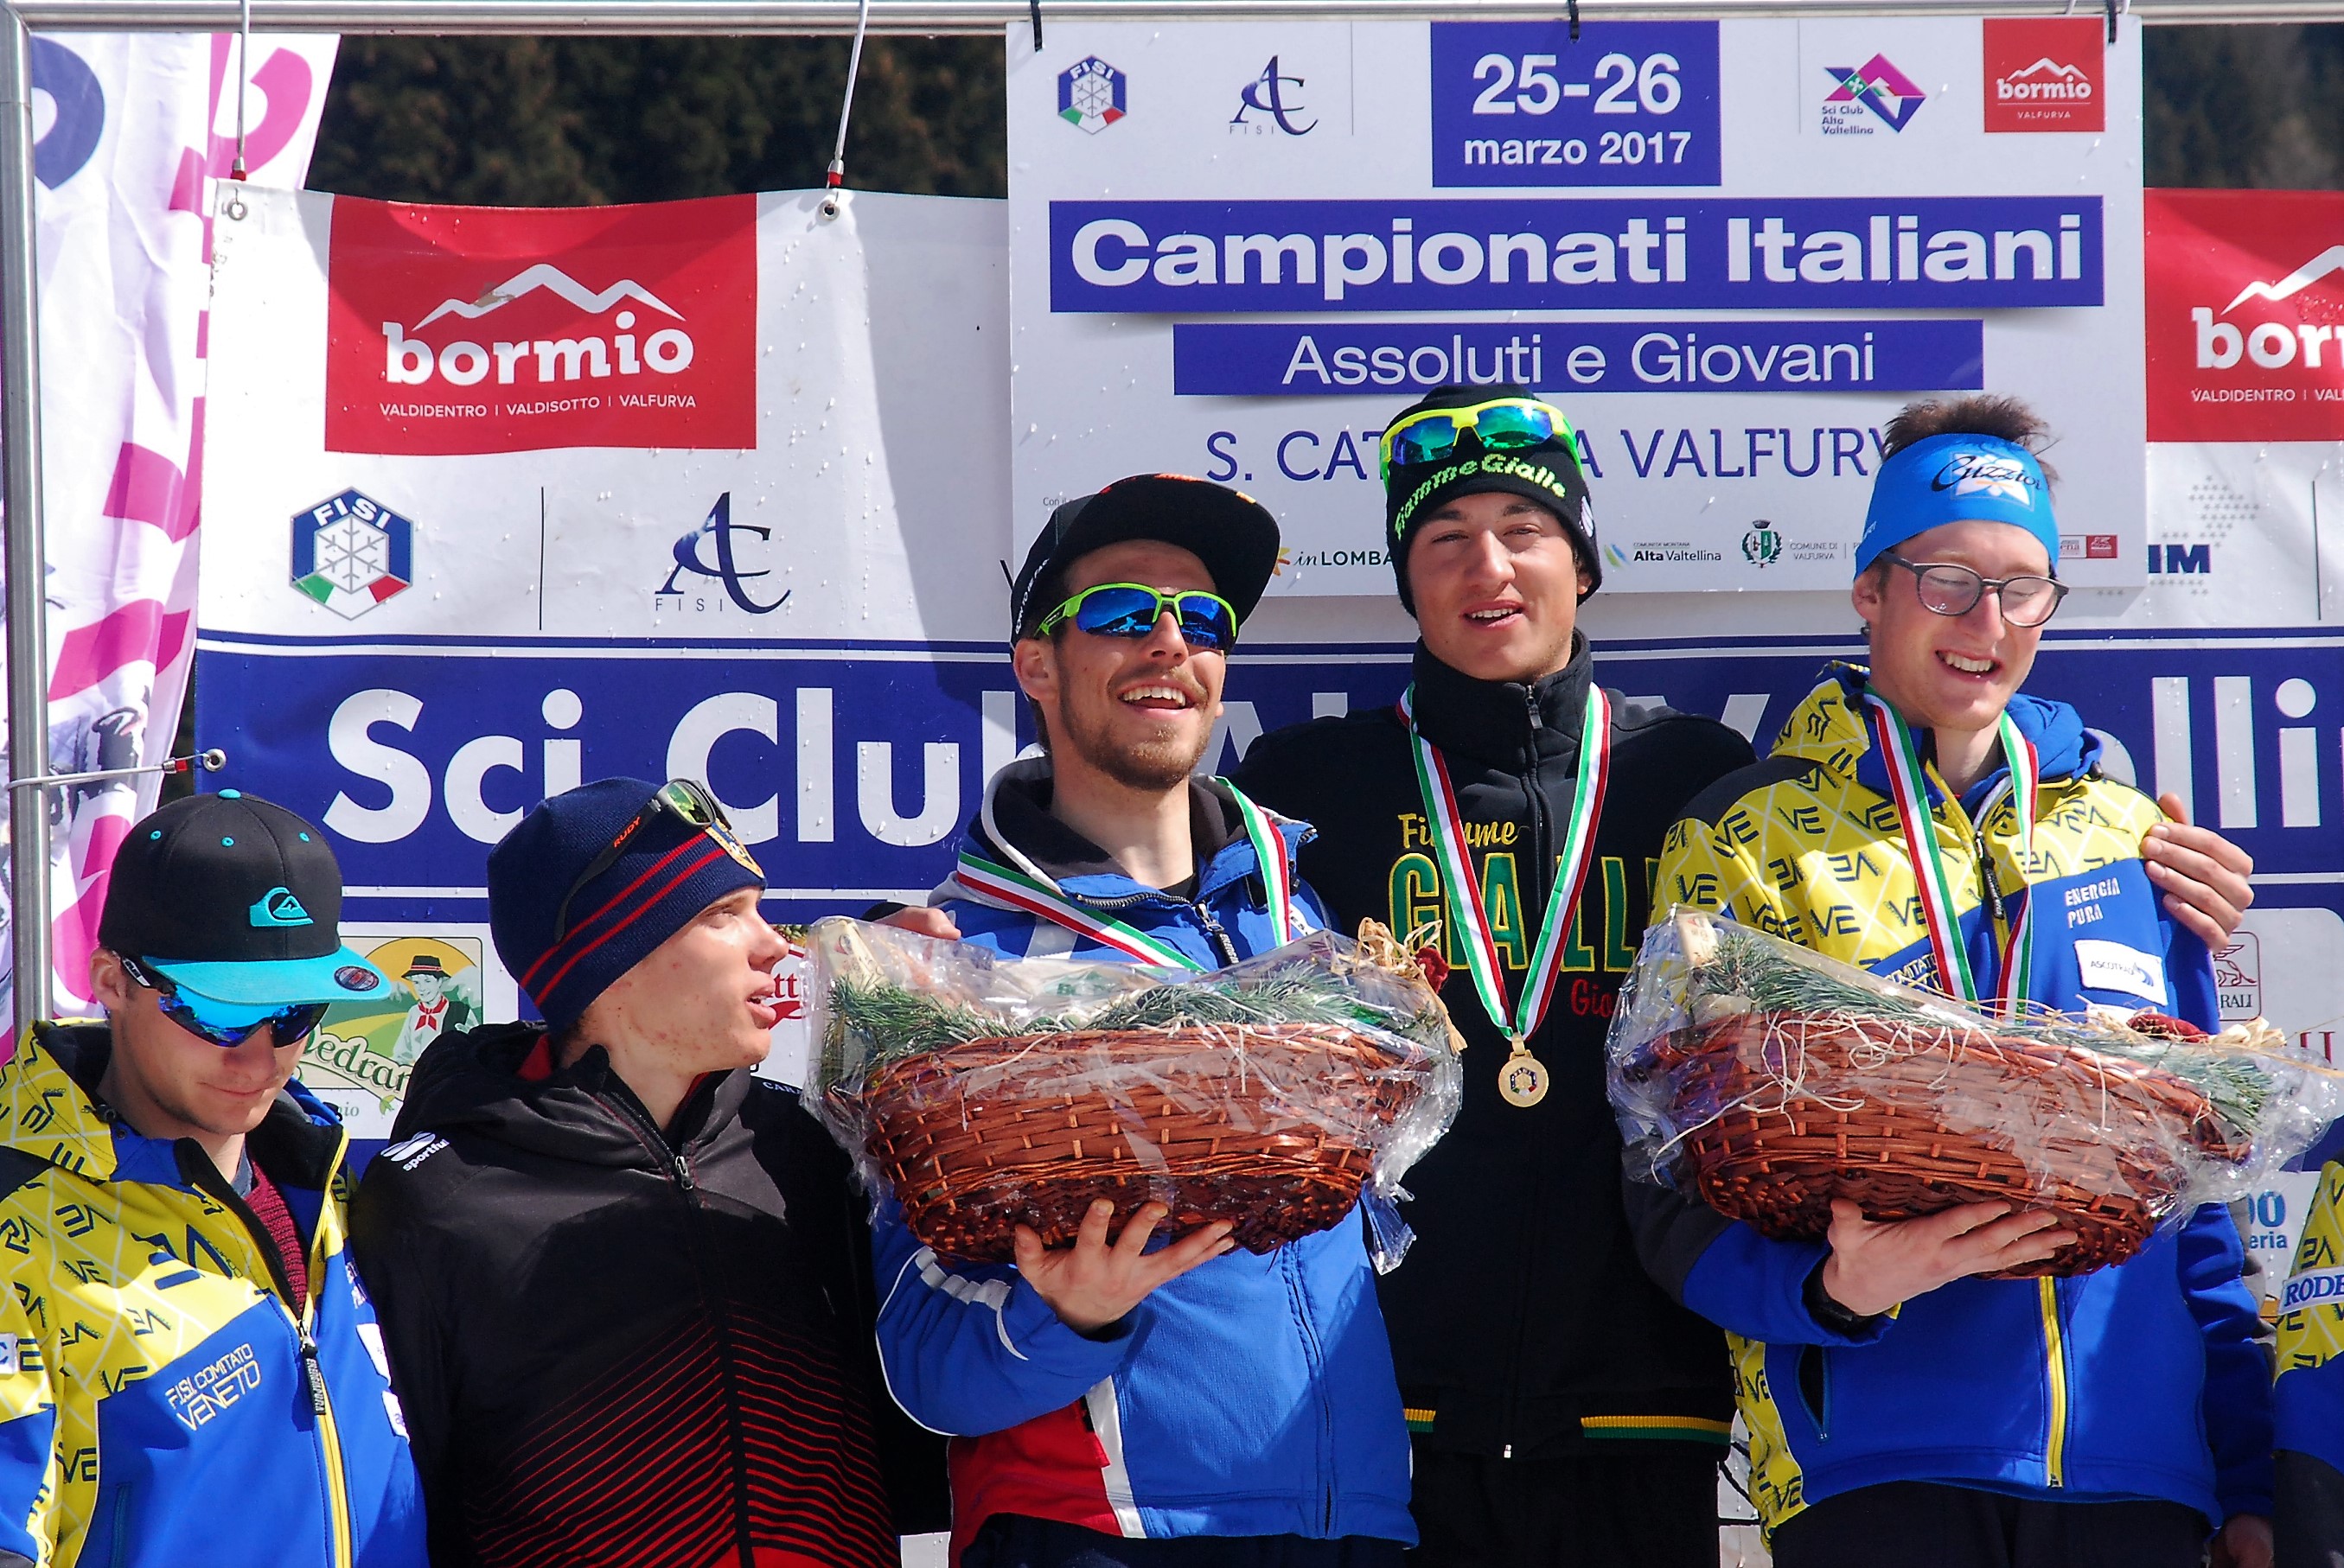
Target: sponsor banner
{"points": [[2245, 306], [131, 133], [769, 509], [2045, 73], [1221, 359], [1801, 224], [477, 330], [849, 771]]}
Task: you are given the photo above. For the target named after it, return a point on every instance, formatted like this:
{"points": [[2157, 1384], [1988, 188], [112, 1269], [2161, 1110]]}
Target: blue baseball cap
{"points": [[1957, 478]]}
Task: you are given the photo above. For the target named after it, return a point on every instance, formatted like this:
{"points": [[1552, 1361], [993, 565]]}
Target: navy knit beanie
{"points": [[667, 874]]}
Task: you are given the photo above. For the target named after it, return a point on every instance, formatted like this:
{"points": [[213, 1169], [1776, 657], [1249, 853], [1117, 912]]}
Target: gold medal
{"points": [[1522, 1081]]}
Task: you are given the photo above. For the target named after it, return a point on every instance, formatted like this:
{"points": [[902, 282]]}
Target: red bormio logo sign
{"points": [[473, 329], [2045, 73], [2246, 315]]}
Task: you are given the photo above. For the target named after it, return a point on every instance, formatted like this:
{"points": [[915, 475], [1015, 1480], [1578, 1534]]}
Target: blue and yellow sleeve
{"points": [[2309, 1394]]}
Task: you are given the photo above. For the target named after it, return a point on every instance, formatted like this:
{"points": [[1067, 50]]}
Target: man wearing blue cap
{"points": [[624, 1283], [1925, 820], [189, 1370]]}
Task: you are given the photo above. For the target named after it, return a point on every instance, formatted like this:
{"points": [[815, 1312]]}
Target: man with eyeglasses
{"points": [[1925, 820], [624, 1283], [189, 1370], [1568, 1412], [1115, 1406]]}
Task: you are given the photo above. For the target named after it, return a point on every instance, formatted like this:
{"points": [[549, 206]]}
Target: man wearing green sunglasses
{"points": [[1566, 1409], [1118, 1403]]}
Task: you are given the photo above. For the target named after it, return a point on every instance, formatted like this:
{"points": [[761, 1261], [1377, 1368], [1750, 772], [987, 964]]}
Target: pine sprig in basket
{"points": [[899, 1020], [1739, 970]]}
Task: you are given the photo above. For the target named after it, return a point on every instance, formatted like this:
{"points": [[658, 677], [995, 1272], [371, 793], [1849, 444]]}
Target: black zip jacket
{"points": [[1523, 1325], [619, 1347]]}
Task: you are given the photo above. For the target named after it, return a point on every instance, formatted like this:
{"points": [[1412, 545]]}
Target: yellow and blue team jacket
{"points": [[2145, 1380], [2310, 1393], [160, 1402]]}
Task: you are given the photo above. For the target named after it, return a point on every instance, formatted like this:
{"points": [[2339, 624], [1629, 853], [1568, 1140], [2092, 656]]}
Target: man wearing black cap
{"points": [[624, 1284], [1113, 1407], [189, 1370], [1566, 1409]]}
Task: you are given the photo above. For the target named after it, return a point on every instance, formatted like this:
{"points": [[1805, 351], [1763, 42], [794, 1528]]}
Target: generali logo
{"points": [[466, 330], [2045, 74], [2244, 294]]}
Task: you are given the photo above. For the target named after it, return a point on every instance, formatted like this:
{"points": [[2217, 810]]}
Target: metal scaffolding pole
{"points": [[932, 17], [20, 487]]}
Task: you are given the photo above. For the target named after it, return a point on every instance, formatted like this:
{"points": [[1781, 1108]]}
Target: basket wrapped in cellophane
{"points": [[1767, 1080], [989, 1092]]}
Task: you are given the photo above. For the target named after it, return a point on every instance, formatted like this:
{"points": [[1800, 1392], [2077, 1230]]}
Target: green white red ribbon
{"points": [[1469, 916], [1907, 783], [1004, 885]]}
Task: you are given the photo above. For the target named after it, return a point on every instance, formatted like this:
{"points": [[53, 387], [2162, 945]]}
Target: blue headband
{"points": [[1952, 479]]}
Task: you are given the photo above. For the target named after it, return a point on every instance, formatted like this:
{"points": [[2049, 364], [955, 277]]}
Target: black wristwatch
{"points": [[1839, 1320]]}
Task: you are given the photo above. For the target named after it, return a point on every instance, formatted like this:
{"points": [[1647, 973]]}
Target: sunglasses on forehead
{"points": [[688, 802], [1501, 425], [226, 1024]]}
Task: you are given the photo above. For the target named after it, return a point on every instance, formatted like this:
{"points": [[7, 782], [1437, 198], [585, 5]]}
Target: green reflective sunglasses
{"points": [[1504, 424], [1132, 609]]}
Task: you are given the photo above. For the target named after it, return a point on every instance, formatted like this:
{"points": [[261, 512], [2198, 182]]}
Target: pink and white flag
{"points": [[132, 131]]}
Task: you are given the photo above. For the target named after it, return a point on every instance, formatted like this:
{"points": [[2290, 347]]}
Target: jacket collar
{"points": [[1502, 722], [474, 1079], [1014, 829], [1831, 728], [49, 1108]]}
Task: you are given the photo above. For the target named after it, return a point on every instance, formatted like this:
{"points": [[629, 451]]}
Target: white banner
{"points": [[1727, 248], [130, 131], [522, 498]]}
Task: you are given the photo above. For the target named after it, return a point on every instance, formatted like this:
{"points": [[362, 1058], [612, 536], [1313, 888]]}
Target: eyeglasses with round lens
{"points": [[1947, 589]]}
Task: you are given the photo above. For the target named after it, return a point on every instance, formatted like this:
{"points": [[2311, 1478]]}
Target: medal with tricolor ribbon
{"points": [[1015, 888], [1900, 750], [1523, 1077]]}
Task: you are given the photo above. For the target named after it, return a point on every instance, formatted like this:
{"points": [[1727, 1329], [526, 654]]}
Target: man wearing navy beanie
{"points": [[624, 1287]]}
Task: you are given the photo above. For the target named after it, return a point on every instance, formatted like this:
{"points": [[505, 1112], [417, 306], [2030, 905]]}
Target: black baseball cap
{"points": [[238, 900], [1233, 534]]}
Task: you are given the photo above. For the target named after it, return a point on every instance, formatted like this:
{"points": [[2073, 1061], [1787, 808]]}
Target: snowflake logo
{"points": [[351, 552], [1090, 95]]}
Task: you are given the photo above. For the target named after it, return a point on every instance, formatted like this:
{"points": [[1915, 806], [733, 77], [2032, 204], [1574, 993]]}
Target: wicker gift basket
{"points": [[987, 1093], [1767, 1080]]}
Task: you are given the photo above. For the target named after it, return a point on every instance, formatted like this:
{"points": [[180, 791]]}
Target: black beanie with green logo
{"points": [[1547, 473]]}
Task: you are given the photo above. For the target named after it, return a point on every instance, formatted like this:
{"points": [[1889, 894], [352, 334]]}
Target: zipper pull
{"points": [[312, 1374], [683, 1174], [1529, 701]]}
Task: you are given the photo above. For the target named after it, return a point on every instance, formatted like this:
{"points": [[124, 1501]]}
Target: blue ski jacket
{"points": [[2142, 1380], [1252, 1395]]}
